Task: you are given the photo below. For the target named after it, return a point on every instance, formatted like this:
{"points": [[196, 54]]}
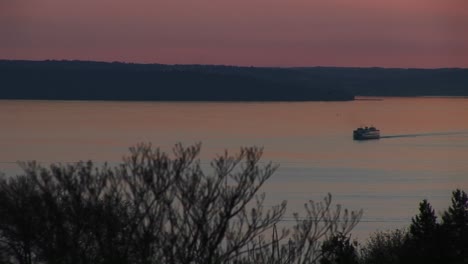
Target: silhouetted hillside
{"points": [[77, 80], [360, 81], [396, 82], [82, 80]]}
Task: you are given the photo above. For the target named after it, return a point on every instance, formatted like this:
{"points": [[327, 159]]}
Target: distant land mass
{"points": [[88, 80]]}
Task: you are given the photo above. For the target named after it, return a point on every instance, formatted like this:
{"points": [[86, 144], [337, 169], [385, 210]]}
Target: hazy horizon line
{"points": [[227, 65]]}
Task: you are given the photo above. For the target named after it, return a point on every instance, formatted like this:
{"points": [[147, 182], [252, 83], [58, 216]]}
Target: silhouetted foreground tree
{"points": [[454, 228], [157, 208], [339, 250], [384, 248], [423, 237], [427, 241]]}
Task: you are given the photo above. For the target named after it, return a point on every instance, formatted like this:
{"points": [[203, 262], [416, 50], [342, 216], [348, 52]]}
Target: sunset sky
{"points": [[397, 33]]}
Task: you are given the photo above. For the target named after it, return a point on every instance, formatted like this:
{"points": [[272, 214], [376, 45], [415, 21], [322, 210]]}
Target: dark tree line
{"points": [[75, 80], [427, 240], [161, 208], [88, 80]]}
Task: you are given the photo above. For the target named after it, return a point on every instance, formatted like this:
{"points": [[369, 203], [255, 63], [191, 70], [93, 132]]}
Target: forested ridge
{"points": [[87, 80], [74, 80]]}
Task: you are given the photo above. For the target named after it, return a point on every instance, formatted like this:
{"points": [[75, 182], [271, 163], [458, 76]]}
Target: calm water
{"points": [[423, 152]]}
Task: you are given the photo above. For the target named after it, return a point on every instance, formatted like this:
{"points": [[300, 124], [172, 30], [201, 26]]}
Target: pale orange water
{"points": [[423, 152]]}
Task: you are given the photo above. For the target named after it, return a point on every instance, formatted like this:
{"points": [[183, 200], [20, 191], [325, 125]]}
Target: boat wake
{"points": [[427, 134]]}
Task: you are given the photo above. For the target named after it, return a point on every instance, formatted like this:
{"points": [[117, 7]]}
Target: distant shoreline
{"points": [[381, 98], [370, 98], [363, 99], [102, 81]]}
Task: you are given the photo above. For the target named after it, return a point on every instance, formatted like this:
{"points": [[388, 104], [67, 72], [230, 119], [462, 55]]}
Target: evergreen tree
{"points": [[424, 225], [385, 247], [455, 228], [422, 241], [339, 250]]}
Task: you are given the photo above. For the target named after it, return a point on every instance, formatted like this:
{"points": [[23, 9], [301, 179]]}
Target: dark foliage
{"points": [[157, 208], [427, 240], [454, 229], [384, 248], [154, 208], [339, 250], [422, 244]]}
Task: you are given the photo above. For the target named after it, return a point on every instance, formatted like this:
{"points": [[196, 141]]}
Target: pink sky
{"points": [[397, 33]]}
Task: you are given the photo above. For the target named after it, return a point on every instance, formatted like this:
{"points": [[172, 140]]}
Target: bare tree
{"points": [[322, 221], [158, 208], [213, 217]]}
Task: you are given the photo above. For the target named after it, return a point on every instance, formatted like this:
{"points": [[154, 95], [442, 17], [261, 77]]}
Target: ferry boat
{"points": [[364, 133]]}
